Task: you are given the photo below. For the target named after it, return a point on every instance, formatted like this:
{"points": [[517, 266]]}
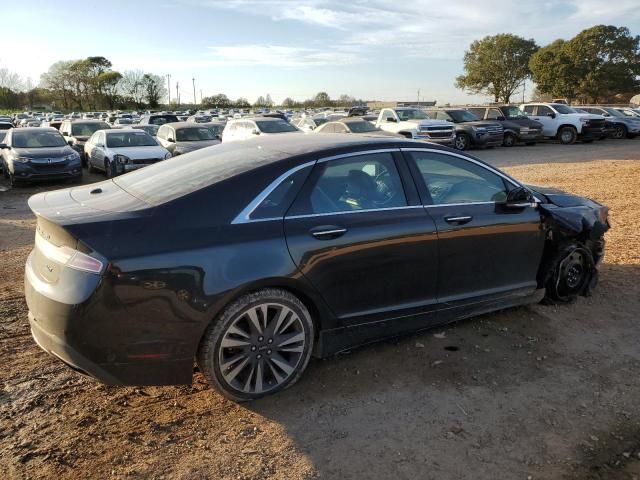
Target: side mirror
{"points": [[520, 197], [255, 131], [65, 134], [70, 142], [391, 120], [501, 119], [169, 139], [4, 146], [552, 115]]}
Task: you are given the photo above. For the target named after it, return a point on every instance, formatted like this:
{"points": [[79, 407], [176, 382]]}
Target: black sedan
{"points": [[38, 153], [252, 256]]}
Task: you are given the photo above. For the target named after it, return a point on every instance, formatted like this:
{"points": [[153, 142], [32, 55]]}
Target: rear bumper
{"points": [[89, 333]]}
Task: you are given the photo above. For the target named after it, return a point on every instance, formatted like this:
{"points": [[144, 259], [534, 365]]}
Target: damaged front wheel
{"points": [[570, 272]]}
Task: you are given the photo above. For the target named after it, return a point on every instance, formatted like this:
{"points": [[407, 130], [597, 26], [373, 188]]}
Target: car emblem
{"points": [[49, 160]]}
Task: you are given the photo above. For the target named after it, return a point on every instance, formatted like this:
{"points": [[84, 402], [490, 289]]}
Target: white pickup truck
{"points": [[565, 124], [415, 123]]}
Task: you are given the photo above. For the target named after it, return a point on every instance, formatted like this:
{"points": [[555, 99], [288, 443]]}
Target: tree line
{"points": [[320, 100], [599, 65], [85, 84]]}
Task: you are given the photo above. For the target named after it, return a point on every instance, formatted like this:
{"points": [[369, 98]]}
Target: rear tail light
{"points": [[68, 256]]}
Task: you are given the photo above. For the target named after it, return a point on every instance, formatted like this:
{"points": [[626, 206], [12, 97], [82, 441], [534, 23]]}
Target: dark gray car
{"points": [[470, 130], [517, 126], [38, 153], [621, 125]]}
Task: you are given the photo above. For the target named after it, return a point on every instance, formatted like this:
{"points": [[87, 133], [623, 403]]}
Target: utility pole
{"points": [[524, 84], [178, 92], [418, 95], [168, 88], [201, 96], [195, 102]]}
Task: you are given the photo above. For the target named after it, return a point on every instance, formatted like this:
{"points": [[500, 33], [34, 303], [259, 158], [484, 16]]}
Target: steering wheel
{"points": [[385, 194]]}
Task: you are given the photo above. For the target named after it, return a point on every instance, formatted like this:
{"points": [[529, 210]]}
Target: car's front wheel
{"points": [[567, 135], [462, 141], [509, 140], [619, 132], [259, 345], [569, 273]]}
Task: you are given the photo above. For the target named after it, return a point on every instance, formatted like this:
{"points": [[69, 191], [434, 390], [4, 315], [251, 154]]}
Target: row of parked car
{"points": [[58, 148]]}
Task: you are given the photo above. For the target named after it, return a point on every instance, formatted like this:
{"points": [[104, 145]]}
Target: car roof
{"points": [[33, 129], [110, 131], [176, 125]]}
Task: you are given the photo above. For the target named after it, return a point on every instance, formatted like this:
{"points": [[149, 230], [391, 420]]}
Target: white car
{"points": [[119, 151], [563, 123], [244, 128], [415, 123]]}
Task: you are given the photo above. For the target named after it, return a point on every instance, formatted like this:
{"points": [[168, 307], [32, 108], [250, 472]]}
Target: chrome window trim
{"points": [[245, 215], [311, 215]]}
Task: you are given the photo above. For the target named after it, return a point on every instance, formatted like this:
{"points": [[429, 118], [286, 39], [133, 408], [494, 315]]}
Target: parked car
{"points": [[54, 122], [306, 244], [158, 119], [117, 151], [185, 137], [629, 112], [470, 131], [621, 125], [199, 118], [150, 129], [245, 128], [563, 123], [38, 153], [517, 126], [415, 123], [355, 125], [77, 132], [5, 125], [216, 127]]}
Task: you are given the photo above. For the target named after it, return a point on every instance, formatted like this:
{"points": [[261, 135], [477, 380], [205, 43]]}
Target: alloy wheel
{"points": [[261, 348], [619, 132], [461, 142]]}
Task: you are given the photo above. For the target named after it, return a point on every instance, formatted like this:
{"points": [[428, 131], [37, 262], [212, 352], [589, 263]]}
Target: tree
{"points": [[260, 102], [322, 99], [219, 100], [596, 65], [242, 103], [288, 102], [268, 102], [131, 87], [497, 66], [154, 89], [553, 71], [345, 100], [11, 80]]}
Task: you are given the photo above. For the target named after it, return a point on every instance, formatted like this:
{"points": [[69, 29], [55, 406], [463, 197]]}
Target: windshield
{"points": [[512, 112], [560, 108], [275, 126], [37, 139], [150, 129], [361, 127], [130, 139], [87, 129], [613, 112], [412, 114], [462, 116], [194, 134]]}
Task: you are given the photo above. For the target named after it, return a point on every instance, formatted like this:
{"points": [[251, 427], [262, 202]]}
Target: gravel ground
{"points": [[541, 392]]}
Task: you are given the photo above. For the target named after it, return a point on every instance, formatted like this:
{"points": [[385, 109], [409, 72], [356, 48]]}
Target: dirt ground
{"points": [[542, 392]]}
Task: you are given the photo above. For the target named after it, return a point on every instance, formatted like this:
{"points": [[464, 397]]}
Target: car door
{"points": [[485, 249], [98, 154], [543, 114], [359, 234]]}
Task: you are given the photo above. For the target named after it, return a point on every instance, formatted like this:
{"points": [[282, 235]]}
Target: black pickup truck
{"points": [[517, 126]]}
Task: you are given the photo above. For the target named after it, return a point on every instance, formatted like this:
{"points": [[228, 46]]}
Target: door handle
{"points": [[327, 232], [461, 220]]}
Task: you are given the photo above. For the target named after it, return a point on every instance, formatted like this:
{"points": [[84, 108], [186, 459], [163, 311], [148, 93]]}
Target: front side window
{"points": [[544, 110], [462, 116], [358, 183], [494, 114], [412, 114], [451, 179]]}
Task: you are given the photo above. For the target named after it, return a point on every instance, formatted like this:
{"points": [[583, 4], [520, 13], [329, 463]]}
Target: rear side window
{"points": [[529, 109], [364, 182], [276, 203]]}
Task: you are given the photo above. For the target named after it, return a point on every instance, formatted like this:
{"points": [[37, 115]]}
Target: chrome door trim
{"points": [[311, 215]]}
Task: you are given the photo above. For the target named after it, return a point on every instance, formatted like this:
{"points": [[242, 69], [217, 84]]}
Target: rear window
{"points": [[184, 174], [87, 129], [194, 134], [275, 126]]}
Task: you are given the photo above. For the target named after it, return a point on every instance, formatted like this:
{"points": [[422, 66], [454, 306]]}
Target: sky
{"points": [[374, 49]]}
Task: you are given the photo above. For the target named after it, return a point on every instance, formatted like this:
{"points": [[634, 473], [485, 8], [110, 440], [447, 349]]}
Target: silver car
{"points": [[184, 137], [118, 151]]}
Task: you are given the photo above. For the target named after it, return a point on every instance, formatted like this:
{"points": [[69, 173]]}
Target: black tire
{"points": [[619, 132], [567, 135], [108, 168], [568, 273], [212, 353], [509, 140], [462, 141], [528, 144]]}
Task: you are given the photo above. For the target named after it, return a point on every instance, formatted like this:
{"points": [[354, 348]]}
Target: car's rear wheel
{"points": [[567, 135], [509, 140], [568, 273], [259, 345], [462, 141]]}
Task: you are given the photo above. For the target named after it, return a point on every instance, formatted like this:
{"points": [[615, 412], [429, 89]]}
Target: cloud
{"points": [[278, 56]]}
